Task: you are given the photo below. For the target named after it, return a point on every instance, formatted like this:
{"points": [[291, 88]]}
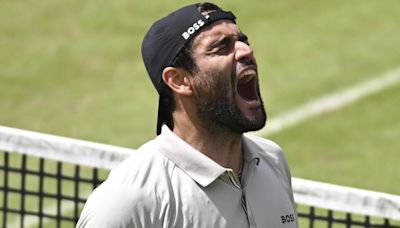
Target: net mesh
{"points": [[42, 186], [37, 192]]}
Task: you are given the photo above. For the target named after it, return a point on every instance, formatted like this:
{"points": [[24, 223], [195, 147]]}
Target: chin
{"points": [[256, 125], [251, 124], [256, 118]]}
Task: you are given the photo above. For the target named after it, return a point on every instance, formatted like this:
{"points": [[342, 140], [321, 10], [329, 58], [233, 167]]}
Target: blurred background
{"points": [[74, 68]]}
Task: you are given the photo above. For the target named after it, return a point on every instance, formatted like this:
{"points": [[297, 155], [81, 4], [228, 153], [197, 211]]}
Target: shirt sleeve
{"points": [[117, 207]]}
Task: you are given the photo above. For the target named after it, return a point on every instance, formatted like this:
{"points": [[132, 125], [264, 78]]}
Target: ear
{"points": [[177, 79]]}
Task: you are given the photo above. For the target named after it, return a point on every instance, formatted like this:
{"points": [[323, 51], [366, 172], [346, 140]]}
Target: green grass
{"points": [[74, 68], [356, 146]]}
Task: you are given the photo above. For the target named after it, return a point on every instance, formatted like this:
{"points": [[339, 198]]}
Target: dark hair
{"points": [[184, 60]]}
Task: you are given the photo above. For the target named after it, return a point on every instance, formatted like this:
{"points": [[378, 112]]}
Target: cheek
{"points": [[201, 82], [212, 84], [222, 63], [215, 74]]}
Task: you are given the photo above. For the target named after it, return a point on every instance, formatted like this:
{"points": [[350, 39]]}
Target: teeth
{"points": [[247, 75], [249, 72]]}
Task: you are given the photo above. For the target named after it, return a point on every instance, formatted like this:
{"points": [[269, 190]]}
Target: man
{"points": [[201, 170]]}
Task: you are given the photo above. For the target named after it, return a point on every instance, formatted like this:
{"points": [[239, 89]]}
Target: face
{"points": [[225, 81]]}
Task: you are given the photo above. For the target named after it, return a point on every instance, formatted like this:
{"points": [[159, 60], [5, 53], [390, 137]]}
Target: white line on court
{"points": [[302, 113], [330, 102]]}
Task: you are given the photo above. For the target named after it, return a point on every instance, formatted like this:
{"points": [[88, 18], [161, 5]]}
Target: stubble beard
{"points": [[216, 107]]}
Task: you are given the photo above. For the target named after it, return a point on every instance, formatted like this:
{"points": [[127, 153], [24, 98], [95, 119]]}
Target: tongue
{"points": [[247, 90]]}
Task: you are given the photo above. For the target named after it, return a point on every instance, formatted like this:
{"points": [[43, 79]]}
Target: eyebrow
{"points": [[226, 39]]}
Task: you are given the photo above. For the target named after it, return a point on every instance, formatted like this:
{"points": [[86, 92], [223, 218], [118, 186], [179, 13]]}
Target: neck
{"points": [[221, 145]]}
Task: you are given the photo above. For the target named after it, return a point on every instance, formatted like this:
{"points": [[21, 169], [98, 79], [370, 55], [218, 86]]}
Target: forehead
{"points": [[214, 31]]}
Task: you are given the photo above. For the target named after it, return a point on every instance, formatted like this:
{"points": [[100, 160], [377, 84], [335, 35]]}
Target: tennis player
{"points": [[201, 170]]}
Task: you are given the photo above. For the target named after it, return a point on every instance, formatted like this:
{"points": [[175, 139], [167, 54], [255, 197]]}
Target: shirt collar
{"points": [[198, 166], [251, 151]]}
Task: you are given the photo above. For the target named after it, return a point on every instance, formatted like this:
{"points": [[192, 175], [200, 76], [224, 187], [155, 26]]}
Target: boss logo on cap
{"points": [[196, 26]]}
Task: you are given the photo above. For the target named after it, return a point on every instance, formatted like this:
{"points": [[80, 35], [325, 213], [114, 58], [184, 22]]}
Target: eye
{"points": [[223, 45]]}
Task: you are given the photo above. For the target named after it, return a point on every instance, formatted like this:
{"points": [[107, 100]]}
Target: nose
{"points": [[243, 51]]}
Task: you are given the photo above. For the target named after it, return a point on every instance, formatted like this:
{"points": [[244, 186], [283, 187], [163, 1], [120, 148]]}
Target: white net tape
{"points": [[312, 193], [61, 148], [340, 198]]}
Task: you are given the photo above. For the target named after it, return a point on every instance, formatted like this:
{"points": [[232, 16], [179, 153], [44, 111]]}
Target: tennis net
{"points": [[45, 180]]}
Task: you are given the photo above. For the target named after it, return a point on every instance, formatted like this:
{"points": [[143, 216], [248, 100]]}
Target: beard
{"points": [[216, 107]]}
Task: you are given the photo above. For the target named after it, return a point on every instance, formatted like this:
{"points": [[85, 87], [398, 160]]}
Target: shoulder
{"points": [[266, 147], [128, 197], [269, 152], [144, 164], [116, 206]]}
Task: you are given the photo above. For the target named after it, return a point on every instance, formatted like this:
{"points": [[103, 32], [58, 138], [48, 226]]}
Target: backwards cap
{"points": [[165, 39]]}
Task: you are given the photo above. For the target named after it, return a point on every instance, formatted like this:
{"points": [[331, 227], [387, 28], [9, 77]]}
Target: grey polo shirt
{"points": [[168, 183]]}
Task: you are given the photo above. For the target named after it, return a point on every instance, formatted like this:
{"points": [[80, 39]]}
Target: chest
{"points": [[269, 200], [264, 202]]}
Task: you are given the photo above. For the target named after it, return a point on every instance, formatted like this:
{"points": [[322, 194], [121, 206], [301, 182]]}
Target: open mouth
{"points": [[247, 85]]}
